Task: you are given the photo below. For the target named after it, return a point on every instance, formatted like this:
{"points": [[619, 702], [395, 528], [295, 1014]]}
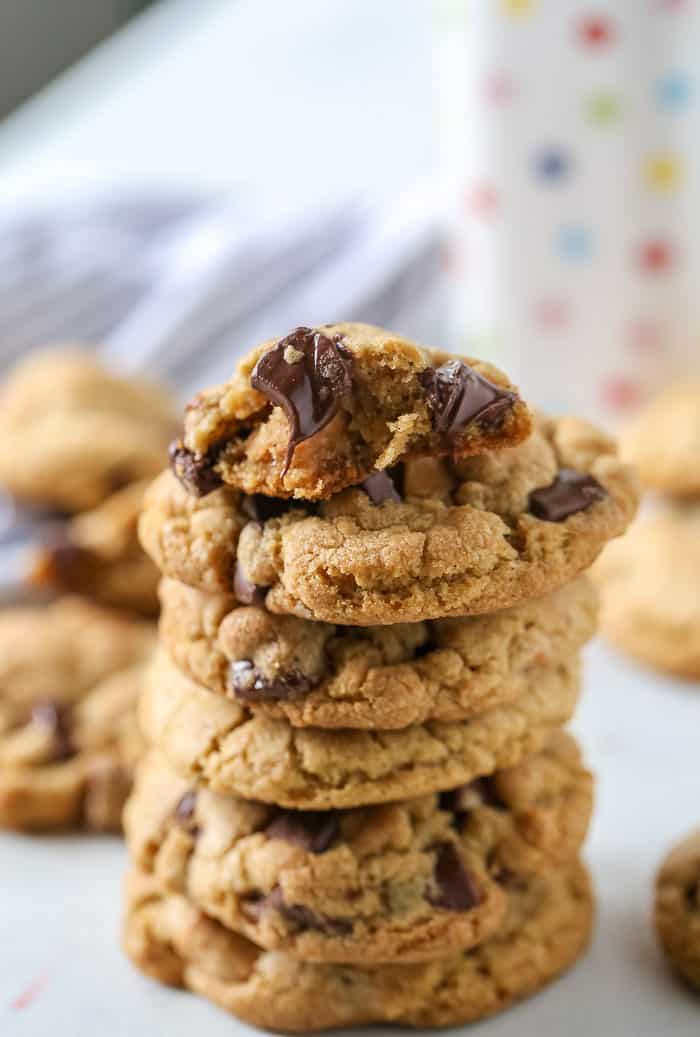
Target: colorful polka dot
{"points": [[596, 31], [499, 89], [515, 8], [656, 256], [483, 200], [552, 315], [662, 172], [645, 335], [574, 243], [621, 392], [603, 108], [552, 165], [674, 91]]}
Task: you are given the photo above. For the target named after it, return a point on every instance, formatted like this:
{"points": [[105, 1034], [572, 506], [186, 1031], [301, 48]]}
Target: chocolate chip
{"points": [[247, 592], [195, 471], [249, 684], [457, 890], [457, 395], [384, 486], [570, 493], [184, 812], [55, 718], [306, 374], [312, 830]]}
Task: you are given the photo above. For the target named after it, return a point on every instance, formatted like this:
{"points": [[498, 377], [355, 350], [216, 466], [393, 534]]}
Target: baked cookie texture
{"points": [[73, 433], [465, 538], [325, 408], [322, 675], [649, 590], [546, 928], [97, 554], [408, 881], [677, 907], [70, 674], [214, 741], [664, 441]]}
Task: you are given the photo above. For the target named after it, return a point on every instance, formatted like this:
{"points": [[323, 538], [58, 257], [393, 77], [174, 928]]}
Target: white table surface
{"points": [[60, 898], [216, 93]]}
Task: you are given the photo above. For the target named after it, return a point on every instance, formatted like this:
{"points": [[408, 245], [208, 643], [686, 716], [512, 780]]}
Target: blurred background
{"points": [[512, 178]]}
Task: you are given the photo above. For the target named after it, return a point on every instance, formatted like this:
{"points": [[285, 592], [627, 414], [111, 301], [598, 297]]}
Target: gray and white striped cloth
{"points": [[179, 285]]}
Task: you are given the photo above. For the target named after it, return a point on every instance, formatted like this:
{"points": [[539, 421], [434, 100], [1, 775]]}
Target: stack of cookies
{"points": [[359, 804], [80, 446]]}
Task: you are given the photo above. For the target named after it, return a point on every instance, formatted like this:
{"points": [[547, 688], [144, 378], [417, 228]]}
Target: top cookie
{"points": [[71, 433], [323, 408], [440, 539], [664, 441]]}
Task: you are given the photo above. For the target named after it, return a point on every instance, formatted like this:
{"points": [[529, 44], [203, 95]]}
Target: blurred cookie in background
{"points": [[664, 442], [650, 583], [677, 908], [97, 554], [70, 675], [72, 433]]}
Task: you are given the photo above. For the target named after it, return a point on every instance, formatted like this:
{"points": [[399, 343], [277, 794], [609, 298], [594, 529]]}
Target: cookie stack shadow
{"points": [[360, 804]]}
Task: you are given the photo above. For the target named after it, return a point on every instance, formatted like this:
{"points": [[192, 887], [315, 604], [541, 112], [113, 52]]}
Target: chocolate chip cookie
{"points": [[214, 741], [664, 441], [466, 537], [319, 675], [677, 907], [325, 408], [402, 882], [649, 584], [546, 928], [70, 674], [72, 433], [97, 554]]}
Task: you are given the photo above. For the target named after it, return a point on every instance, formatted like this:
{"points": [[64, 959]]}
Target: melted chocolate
{"points": [[457, 890], [457, 395], [306, 374], [312, 830]]}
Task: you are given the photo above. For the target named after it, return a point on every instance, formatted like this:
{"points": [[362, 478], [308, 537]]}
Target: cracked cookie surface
{"points": [[70, 675], [401, 882], [97, 554], [650, 607], [324, 408], [466, 538], [321, 675], [677, 907], [73, 433], [546, 928], [216, 742]]}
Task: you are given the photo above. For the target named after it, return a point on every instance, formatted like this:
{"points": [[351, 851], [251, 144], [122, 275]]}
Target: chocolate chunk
{"points": [[261, 508], [184, 812], [306, 374], [247, 592], [457, 395], [56, 720], [312, 830], [457, 890], [570, 493], [299, 915], [195, 471], [249, 684], [384, 486]]}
